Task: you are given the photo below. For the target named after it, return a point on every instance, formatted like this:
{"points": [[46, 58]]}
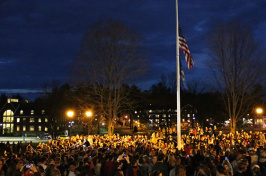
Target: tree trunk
{"points": [[110, 129], [233, 126], [110, 126]]}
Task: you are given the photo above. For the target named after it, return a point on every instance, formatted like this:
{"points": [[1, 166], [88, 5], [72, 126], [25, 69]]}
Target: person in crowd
{"points": [[139, 155], [161, 165], [55, 172], [72, 169]]}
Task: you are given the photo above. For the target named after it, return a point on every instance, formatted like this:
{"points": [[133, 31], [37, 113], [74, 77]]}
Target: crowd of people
{"points": [[205, 152]]}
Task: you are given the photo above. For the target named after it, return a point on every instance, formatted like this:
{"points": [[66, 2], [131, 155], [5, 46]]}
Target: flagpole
{"points": [[178, 113]]}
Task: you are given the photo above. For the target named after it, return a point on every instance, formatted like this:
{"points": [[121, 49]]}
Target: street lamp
{"points": [[70, 114], [88, 113], [259, 111]]}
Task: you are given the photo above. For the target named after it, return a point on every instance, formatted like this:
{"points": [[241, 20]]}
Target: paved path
{"points": [[17, 139]]}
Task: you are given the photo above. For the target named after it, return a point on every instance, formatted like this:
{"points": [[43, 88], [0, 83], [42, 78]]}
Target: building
{"points": [[160, 117], [20, 118]]}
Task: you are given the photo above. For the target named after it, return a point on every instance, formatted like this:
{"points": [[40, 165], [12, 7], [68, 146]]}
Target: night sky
{"points": [[40, 38]]}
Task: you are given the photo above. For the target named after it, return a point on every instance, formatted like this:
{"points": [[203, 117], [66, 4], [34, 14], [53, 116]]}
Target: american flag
{"points": [[183, 46]]}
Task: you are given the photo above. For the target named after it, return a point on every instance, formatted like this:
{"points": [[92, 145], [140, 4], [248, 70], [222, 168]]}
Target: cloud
{"points": [[39, 39]]}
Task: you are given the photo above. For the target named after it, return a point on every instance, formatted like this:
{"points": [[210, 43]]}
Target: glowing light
{"points": [[88, 113], [70, 113], [259, 110]]}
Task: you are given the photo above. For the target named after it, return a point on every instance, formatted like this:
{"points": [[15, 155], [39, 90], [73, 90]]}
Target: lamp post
{"points": [[70, 127], [88, 114], [259, 111], [70, 114]]}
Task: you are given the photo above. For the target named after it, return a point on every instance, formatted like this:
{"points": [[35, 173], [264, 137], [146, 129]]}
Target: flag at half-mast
{"points": [[184, 47]]}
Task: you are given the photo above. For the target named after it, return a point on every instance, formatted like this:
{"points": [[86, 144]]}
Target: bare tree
{"points": [[110, 56], [169, 80], [237, 66]]}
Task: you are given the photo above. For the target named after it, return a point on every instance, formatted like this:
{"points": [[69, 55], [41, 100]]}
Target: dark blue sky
{"points": [[40, 38]]}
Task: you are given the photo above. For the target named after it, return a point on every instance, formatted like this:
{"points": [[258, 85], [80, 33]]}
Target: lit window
{"points": [[46, 129], [40, 128], [24, 119], [24, 128], [136, 112], [21, 112], [18, 120], [164, 115], [8, 113], [18, 128], [188, 115], [8, 119], [40, 120], [31, 128], [58, 128], [32, 112], [46, 120], [43, 111], [150, 111], [157, 115], [32, 120]]}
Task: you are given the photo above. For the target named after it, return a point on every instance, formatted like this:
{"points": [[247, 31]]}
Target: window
{"points": [[18, 120], [40, 120], [8, 120], [32, 112], [150, 111], [31, 128], [10, 100], [157, 115], [24, 119], [164, 115], [32, 119], [46, 129], [21, 112], [188, 115], [43, 112], [18, 128], [24, 128], [8, 128], [58, 128], [46, 120], [259, 120], [40, 128]]}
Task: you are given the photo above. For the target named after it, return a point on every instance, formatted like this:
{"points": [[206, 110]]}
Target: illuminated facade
{"points": [[159, 117], [20, 118]]}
